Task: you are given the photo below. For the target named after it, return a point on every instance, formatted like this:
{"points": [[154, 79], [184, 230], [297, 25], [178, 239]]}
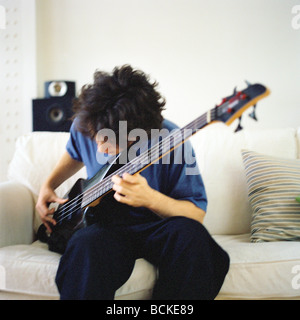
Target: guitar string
{"points": [[107, 181], [144, 156], [73, 204]]}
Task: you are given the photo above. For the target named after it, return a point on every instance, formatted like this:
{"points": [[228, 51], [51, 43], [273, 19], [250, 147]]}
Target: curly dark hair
{"points": [[125, 94]]}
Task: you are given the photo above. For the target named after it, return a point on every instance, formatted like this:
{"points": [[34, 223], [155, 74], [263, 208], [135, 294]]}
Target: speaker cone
{"points": [[55, 114]]}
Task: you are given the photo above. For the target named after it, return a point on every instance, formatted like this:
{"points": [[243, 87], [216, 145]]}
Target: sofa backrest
{"points": [[218, 152]]}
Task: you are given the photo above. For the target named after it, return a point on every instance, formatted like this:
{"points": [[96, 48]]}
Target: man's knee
{"points": [[188, 229]]}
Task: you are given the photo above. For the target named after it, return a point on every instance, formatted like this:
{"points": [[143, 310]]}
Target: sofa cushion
{"points": [[31, 269], [273, 185], [218, 151], [268, 270]]}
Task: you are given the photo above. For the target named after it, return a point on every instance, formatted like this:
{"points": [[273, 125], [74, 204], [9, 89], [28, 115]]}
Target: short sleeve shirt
{"points": [[178, 178]]}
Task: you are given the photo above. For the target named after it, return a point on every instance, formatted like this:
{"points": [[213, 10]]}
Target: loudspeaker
{"points": [[52, 114], [59, 89]]}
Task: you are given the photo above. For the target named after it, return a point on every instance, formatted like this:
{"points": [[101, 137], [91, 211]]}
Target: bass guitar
{"points": [[77, 213]]}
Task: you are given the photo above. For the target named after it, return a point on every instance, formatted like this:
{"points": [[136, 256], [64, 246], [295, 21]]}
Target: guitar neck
{"points": [[176, 138]]}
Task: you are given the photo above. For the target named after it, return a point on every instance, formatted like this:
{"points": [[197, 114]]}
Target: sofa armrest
{"points": [[16, 214]]}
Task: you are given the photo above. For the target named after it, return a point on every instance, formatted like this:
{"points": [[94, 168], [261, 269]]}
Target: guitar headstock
{"points": [[232, 107]]}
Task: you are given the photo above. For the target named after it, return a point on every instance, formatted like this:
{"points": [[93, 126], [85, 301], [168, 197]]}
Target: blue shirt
{"points": [[179, 179]]}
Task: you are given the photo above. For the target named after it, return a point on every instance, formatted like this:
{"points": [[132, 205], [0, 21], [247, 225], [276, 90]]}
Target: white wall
{"points": [[198, 50]]}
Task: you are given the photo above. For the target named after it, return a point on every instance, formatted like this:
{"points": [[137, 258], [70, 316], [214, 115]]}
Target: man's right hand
{"points": [[46, 197], [63, 170]]}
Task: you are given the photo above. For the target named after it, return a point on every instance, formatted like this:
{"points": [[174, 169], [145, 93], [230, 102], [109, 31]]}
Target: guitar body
{"points": [[74, 216]]}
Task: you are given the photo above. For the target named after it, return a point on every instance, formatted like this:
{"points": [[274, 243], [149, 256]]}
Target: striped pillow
{"points": [[273, 185]]}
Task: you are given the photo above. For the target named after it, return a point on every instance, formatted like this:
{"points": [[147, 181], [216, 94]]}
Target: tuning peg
{"points": [[239, 127], [222, 102], [253, 113], [248, 83], [234, 91]]}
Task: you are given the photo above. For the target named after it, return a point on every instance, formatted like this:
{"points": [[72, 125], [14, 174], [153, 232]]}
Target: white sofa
{"points": [[257, 271]]}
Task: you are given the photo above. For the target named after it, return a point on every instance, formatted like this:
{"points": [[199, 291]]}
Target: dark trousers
{"points": [[99, 259]]}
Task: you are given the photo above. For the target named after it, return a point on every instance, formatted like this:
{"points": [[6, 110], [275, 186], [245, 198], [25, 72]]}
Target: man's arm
{"points": [[135, 191], [65, 168]]}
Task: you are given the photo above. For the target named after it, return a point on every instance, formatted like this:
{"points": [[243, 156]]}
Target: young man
{"points": [[156, 215]]}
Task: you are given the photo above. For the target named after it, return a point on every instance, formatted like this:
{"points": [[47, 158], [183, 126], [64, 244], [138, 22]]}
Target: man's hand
{"points": [[46, 197], [133, 190], [64, 169]]}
